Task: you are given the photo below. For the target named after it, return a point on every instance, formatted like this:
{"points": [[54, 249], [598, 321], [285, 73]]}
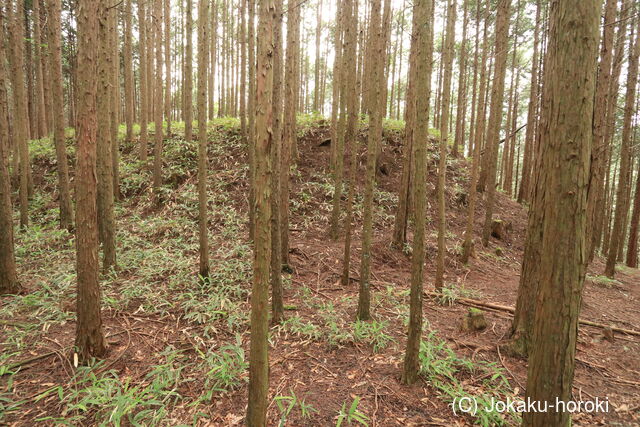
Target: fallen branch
{"points": [[481, 304]]}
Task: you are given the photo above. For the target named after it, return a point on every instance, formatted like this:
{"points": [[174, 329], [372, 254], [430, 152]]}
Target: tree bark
{"points": [[104, 144], [566, 133], [9, 283], [21, 129], [203, 61], [188, 75], [289, 137], [55, 55], [624, 176], [90, 341], [447, 58], [422, 37], [144, 88], [259, 358], [495, 115], [157, 146], [128, 70]]}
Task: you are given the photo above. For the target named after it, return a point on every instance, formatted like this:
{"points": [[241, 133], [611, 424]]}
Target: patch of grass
{"points": [[372, 333], [351, 414], [451, 292], [298, 327], [604, 281], [286, 403], [448, 374]]}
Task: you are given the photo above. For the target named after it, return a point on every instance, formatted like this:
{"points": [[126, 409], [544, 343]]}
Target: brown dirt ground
{"points": [[328, 376]]}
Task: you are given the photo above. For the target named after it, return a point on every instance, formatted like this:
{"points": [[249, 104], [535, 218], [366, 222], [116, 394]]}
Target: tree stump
{"points": [[474, 320]]}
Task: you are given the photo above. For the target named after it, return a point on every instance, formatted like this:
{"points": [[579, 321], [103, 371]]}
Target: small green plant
{"points": [[295, 325], [286, 404], [352, 414], [451, 292], [225, 368], [442, 368], [372, 333]]}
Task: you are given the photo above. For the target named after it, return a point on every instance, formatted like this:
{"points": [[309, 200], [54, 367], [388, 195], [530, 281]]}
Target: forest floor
{"points": [[178, 348]]}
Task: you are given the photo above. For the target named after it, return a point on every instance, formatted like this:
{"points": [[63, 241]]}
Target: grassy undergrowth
{"points": [[157, 279]]}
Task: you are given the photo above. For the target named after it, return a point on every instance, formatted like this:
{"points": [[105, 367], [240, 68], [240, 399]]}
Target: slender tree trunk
{"points": [[316, 66], [351, 128], [447, 58], [402, 214], [277, 304], [55, 55], [377, 102], [188, 75], [624, 177], [203, 61], [468, 246], [8, 274], [566, 133], [128, 70], [335, 87], [105, 200], [461, 109], [259, 358], [599, 126], [422, 36], [243, 70], [157, 147], [251, 109], [167, 64], [144, 89], [495, 115], [90, 341], [523, 192], [289, 138], [21, 128], [37, 59]]}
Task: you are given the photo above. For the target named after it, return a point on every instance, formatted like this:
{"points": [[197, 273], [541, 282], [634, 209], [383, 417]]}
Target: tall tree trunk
{"points": [[422, 36], [243, 70], [277, 304], [105, 200], [495, 115], [599, 126], [57, 99], [144, 88], [128, 70], [167, 64], [8, 275], [377, 102], [523, 192], [468, 246], [38, 49], [251, 108], [188, 76], [259, 358], [90, 341], [335, 86], [566, 133], [289, 138], [21, 129], [447, 58], [404, 192], [351, 128], [157, 146], [461, 109], [203, 56], [624, 177], [316, 66]]}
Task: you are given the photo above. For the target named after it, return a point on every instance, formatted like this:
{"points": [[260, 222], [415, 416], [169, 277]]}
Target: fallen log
{"points": [[477, 303]]}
